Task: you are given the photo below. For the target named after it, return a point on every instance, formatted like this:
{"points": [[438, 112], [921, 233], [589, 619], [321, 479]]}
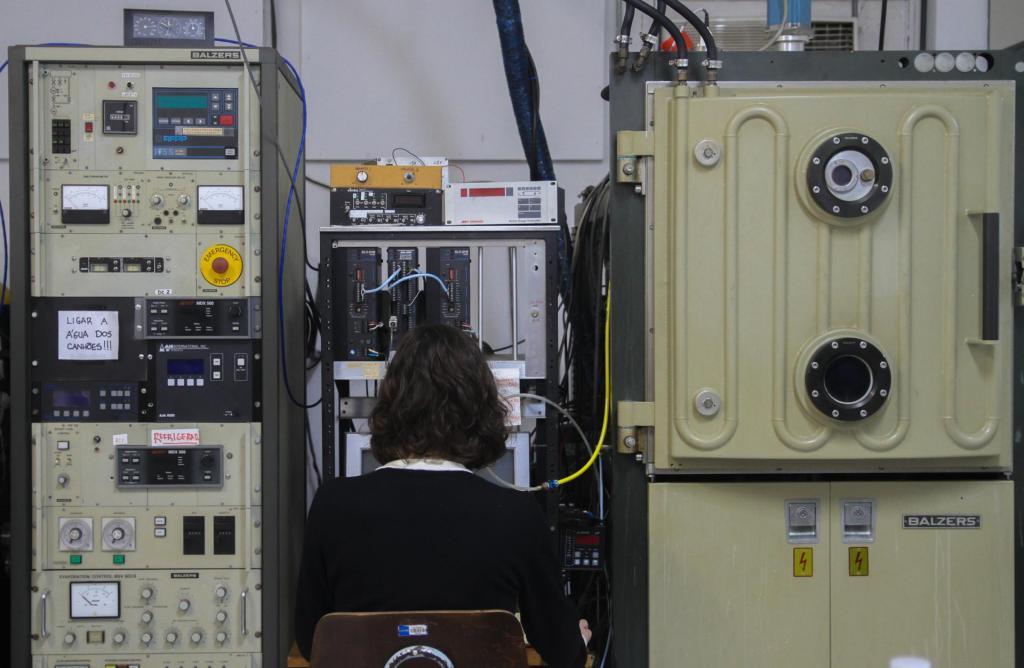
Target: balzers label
{"points": [[216, 55], [942, 521], [184, 576]]}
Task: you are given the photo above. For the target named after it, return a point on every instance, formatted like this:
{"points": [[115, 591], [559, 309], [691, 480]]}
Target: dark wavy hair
{"points": [[438, 399]]}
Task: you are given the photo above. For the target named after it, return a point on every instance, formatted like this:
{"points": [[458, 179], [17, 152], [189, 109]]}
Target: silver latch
{"points": [[802, 521], [1018, 275], [858, 521]]}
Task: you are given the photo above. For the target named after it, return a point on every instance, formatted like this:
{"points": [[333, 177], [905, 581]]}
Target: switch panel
{"points": [[169, 467], [224, 534], [193, 535]]}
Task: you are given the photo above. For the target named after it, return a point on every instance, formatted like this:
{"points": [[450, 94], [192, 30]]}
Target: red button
{"points": [[227, 120], [219, 265], [88, 126]]}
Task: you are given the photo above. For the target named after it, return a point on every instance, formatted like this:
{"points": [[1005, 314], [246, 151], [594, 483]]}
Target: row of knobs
{"points": [[158, 200], [221, 592], [170, 637]]}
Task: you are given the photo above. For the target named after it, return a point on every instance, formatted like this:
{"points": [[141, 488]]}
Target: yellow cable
{"points": [[607, 393]]}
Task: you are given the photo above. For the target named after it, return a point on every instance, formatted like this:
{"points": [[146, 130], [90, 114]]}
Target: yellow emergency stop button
{"points": [[221, 265]]}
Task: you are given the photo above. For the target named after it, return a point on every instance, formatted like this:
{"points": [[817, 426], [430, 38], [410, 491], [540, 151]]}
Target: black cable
{"points": [[534, 110], [245, 58], [312, 450], [881, 25], [273, 24], [698, 25], [319, 183], [395, 150], [665, 22], [923, 38]]}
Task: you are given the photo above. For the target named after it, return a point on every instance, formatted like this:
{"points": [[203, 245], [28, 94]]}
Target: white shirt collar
{"points": [[424, 465]]}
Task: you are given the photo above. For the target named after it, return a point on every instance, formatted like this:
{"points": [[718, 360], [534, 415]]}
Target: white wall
{"points": [[1006, 23]]}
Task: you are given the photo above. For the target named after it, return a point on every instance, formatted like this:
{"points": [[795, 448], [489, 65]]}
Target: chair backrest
{"points": [[448, 639]]}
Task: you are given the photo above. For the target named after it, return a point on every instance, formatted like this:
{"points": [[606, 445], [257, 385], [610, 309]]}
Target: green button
{"points": [[119, 559], [75, 559]]}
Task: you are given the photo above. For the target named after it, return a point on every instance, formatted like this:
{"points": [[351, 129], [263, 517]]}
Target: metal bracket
{"points": [[631, 147], [1018, 275], [356, 408], [632, 417]]}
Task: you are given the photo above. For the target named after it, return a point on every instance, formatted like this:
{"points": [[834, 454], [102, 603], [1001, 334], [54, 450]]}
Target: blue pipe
{"points": [[799, 13], [520, 85]]}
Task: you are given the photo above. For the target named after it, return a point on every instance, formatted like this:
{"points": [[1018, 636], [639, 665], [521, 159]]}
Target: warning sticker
{"points": [[803, 562], [858, 562], [87, 335]]}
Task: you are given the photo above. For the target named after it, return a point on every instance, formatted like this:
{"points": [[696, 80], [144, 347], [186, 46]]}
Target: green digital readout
{"points": [[182, 101]]}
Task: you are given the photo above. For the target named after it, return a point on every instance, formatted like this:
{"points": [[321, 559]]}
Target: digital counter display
{"points": [[195, 123], [185, 367]]}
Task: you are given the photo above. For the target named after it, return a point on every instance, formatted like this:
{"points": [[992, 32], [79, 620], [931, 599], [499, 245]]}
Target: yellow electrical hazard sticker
{"points": [[858, 561], [221, 265], [803, 562]]}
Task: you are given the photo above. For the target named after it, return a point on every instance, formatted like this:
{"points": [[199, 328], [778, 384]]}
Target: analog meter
{"points": [[95, 600], [221, 205], [85, 204]]}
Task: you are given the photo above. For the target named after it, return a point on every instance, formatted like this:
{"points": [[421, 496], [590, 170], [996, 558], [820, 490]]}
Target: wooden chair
{"points": [[446, 639]]}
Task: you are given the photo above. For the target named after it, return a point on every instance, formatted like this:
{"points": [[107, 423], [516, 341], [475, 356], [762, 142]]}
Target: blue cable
{"points": [[385, 284], [3, 221], [287, 217], [3, 284], [418, 275]]}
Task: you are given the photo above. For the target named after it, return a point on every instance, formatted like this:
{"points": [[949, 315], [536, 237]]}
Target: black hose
{"points": [[881, 27], [627, 21], [655, 28], [665, 22], [698, 25]]}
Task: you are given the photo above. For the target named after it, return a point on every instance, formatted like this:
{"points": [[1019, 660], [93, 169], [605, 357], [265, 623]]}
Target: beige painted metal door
{"points": [[757, 273], [727, 588], [944, 593]]}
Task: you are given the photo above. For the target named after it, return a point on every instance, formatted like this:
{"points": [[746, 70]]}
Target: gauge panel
{"points": [[167, 28], [95, 600], [220, 205], [85, 205]]}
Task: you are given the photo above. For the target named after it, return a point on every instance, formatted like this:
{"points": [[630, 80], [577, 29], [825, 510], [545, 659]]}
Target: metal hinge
{"points": [[630, 148], [632, 417], [1018, 275]]}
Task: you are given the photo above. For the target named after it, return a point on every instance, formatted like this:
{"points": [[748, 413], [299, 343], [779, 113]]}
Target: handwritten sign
{"points": [[507, 380], [173, 438], [87, 335]]}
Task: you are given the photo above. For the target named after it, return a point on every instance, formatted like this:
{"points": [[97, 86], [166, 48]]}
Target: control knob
{"points": [[221, 637], [147, 617], [156, 200], [184, 604], [147, 638], [117, 534], [221, 616], [207, 461], [63, 479], [221, 591], [171, 637], [146, 593], [74, 535], [184, 199], [119, 637], [196, 637], [126, 213], [69, 638], [362, 176]]}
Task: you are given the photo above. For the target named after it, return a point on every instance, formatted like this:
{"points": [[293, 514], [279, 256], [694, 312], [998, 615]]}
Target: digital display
{"points": [[95, 600], [71, 399], [185, 367], [182, 101], [408, 201], [587, 539], [195, 123]]}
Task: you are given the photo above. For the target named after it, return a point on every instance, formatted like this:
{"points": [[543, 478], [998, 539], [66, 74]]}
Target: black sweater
{"points": [[434, 540]]}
